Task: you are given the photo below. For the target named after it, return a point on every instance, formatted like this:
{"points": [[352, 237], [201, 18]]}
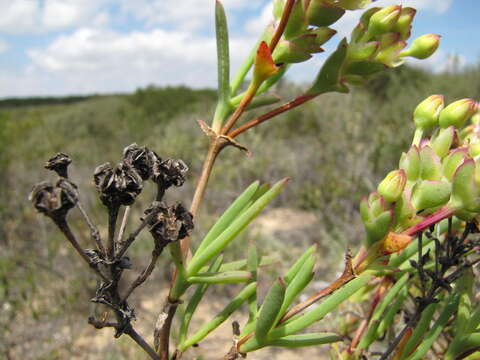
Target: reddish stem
{"points": [[430, 220], [287, 10], [281, 109]]}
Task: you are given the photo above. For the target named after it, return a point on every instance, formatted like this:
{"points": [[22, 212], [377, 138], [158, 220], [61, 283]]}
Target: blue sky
{"points": [[60, 47]]}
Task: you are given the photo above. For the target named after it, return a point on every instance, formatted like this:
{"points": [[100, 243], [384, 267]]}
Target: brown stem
{"points": [[281, 109], [249, 94], [131, 238], [163, 335], [130, 331], [143, 275], [94, 233], [112, 222], [213, 151], [65, 229], [287, 10]]}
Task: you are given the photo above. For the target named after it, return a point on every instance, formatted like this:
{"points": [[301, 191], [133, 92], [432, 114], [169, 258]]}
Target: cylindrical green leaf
{"points": [[299, 282], [228, 277], [436, 329], [323, 309], [228, 216], [380, 309], [195, 300], [217, 245], [388, 318], [270, 308], [292, 272], [293, 341], [220, 318]]}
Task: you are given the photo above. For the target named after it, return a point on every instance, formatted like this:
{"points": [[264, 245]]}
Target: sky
{"points": [[68, 47]]}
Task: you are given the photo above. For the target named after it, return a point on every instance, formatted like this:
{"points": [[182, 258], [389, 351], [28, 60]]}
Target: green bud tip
{"points": [[457, 113], [423, 46], [426, 114], [384, 20], [392, 186]]}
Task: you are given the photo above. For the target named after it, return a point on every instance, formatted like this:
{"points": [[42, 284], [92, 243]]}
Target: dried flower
{"points": [[117, 186], [54, 200], [169, 172], [142, 159], [59, 163], [170, 223]]}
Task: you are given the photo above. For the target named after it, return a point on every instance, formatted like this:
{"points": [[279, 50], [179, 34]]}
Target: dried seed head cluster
{"points": [[118, 186]]}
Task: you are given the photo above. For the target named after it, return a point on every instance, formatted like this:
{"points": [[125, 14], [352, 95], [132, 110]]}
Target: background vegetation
{"points": [[334, 149]]}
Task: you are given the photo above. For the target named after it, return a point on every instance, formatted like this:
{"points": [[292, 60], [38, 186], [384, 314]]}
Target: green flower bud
{"points": [[443, 140], [297, 22], [392, 185], [377, 217], [430, 165], [423, 46], [390, 56], [430, 194], [404, 23], [464, 189], [452, 161], [278, 6], [379, 227], [457, 113], [384, 20], [323, 34], [410, 163], [288, 52], [359, 31], [388, 39], [353, 4], [322, 13], [425, 115], [405, 212], [362, 51]]}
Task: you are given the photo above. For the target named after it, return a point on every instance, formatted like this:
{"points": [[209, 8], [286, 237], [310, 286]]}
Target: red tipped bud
{"points": [[430, 194], [457, 113], [423, 46], [425, 115], [404, 23], [384, 20], [443, 140], [410, 163]]}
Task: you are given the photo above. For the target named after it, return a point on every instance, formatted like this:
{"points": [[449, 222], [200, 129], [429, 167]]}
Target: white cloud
{"points": [[99, 60], [257, 25], [18, 16]]}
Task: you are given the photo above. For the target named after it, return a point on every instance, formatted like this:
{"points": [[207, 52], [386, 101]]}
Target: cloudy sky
{"points": [[59, 47]]}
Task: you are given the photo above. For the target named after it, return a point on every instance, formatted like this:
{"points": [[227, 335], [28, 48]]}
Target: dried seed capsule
{"points": [[59, 163], [170, 223], [54, 200], [117, 186], [142, 159], [169, 172]]}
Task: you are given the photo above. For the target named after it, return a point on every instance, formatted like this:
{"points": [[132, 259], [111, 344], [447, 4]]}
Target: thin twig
{"points": [[162, 335], [281, 109], [144, 274], [131, 238], [130, 331], [287, 10], [65, 229], [94, 233], [123, 225]]}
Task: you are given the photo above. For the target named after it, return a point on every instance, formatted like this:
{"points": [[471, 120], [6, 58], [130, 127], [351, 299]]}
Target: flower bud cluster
{"points": [[439, 174], [308, 27], [379, 41]]}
